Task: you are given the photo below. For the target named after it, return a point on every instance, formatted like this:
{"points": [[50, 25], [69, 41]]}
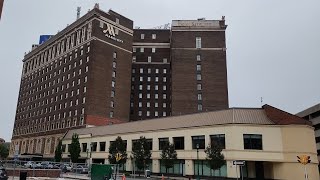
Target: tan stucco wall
{"points": [[280, 144]]}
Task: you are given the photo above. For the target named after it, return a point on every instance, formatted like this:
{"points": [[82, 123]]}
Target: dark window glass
{"points": [[149, 142], [84, 147], [125, 142], [178, 142], [94, 146], [218, 139], [198, 140], [102, 146], [63, 148], [252, 141], [134, 143], [316, 126], [69, 145], [163, 142], [317, 139]]}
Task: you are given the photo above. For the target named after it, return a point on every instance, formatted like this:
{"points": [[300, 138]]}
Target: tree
{"points": [[215, 159], [58, 152], [118, 146], [117, 153], [4, 151], [75, 148], [168, 156], [141, 153]]}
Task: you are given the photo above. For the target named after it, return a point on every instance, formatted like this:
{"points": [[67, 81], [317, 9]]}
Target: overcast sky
{"points": [[273, 47]]}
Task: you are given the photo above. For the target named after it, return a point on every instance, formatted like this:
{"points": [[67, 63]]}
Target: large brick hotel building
{"points": [[100, 71]]}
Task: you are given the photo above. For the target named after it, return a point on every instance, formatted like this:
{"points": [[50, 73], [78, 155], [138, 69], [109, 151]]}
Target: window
{"points": [[141, 79], [154, 36], [163, 142], [164, 105], [156, 87], [157, 71], [149, 70], [114, 55], [134, 49], [164, 114], [149, 59], [199, 107], [142, 36], [164, 88], [149, 79], [156, 96], [102, 146], [94, 146], [148, 104], [218, 140], [198, 42], [148, 86], [199, 97], [156, 104], [140, 104], [142, 49], [140, 113], [198, 67], [117, 21], [165, 60], [84, 147], [140, 87], [199, 77], [252, 141], [156, 113], [148, 113], [164, 71], [112, 104], [63, 148], [111, 114], [164, 79], [164, 96], [200, 140], [141, 70], [140, 95], [178, 143], [199, 87], [148, 96], [153, 50]]}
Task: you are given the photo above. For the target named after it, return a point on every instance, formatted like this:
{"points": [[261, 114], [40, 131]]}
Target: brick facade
{"points": [[100, 71]]}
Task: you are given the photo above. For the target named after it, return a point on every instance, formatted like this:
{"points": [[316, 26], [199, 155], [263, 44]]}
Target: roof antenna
{"points": [[78, 12], [261, 100]]}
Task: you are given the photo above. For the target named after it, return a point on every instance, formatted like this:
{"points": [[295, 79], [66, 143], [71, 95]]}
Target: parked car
{"points": [[46, 165], [65, 167], [30, 164], [80, 169], [3, 173]]}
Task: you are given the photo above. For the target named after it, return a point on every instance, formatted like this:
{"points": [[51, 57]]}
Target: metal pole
{"points": [[237, 171], [134, 170], [198, 178], [241, 169], [14, 169], [305, 172]]}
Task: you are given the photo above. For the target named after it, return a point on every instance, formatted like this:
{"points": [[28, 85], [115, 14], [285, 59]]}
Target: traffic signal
{"points": [[304, 159]]}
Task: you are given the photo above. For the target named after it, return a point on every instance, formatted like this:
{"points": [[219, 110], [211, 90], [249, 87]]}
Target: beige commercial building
{"points": [[267, 139]]}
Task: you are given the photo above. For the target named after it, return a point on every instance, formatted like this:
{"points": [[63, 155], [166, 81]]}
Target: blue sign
{"points": [[44, 38]]}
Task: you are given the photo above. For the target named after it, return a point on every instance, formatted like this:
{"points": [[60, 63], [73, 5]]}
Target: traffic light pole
{"points": [[305, 172]]}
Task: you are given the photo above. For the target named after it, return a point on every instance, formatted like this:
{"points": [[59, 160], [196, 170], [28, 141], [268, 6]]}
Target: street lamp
{"points": [[197, 146]]}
